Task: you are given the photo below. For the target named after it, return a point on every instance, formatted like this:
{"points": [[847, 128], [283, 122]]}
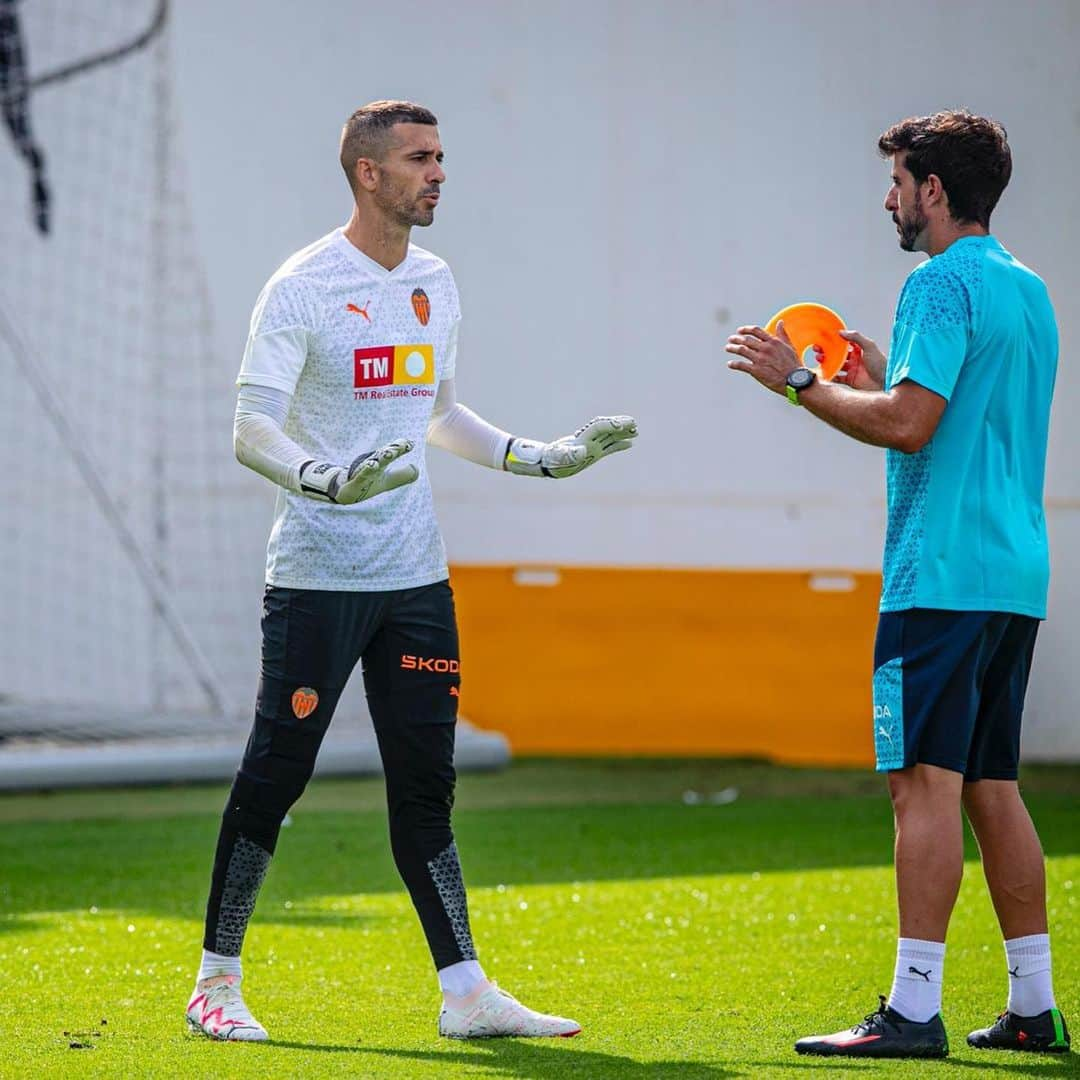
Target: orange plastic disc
{"points": [[809, 324]]}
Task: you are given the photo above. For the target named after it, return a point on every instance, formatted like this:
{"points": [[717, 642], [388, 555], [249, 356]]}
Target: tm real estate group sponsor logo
{"points": [[384, 371]]}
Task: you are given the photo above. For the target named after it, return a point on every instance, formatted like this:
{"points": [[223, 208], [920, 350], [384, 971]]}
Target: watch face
{"points": [[800, 378]]}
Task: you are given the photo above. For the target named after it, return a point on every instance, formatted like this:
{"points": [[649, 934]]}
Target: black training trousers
{"points": [[312, 640]]}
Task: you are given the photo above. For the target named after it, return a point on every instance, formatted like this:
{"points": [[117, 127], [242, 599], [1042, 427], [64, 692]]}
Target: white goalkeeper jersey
{"points": [[361, 349]]}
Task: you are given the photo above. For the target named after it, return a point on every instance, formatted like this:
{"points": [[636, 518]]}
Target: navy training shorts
{"points": [[949, 690]]}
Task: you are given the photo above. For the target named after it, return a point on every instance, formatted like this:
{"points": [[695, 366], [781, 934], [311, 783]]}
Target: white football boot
{"points": [[219, 1012], [489, 1013]]}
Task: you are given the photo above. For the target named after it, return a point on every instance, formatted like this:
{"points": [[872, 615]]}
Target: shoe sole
{"points": [[511, 1035], [899, 1052], [197, 1029], [1022, 1049]]}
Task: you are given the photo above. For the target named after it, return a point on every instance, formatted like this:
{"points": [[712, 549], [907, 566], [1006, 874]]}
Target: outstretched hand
{"points": [[372, 474], [601, 436], [369, 475], [769, 358]]}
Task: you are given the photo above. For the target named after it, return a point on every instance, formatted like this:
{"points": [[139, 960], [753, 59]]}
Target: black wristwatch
{"points": [[798, 380]]}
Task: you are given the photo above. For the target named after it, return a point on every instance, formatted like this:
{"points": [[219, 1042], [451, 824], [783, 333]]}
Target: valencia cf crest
{"points": [[304, 701], [421, 305]]}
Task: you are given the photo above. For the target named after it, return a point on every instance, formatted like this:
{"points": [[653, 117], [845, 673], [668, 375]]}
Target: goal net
{"points": [[119, 657]]}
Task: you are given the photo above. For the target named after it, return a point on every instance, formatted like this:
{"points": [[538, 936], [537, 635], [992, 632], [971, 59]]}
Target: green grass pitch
{"points": [[691, 941]]}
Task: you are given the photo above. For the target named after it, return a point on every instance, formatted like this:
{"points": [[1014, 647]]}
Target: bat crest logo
{"points": [[421, 305], [304, 702]]}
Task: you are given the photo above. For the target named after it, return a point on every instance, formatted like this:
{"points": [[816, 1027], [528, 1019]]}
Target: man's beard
{"points": [[911, 229], [405, 210]]}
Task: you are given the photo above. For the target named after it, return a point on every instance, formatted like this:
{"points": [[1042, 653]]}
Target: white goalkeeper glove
{"points": [[601, 436], [369, 475]]}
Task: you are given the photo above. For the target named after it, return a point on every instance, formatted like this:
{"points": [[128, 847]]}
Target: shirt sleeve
{"points": [[932, 331], [454, 300], [282, 323], [456, 428], [450, 364], [259, 441]]}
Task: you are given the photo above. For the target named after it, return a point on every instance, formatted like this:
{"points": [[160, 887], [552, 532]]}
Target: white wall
{"points": [[627, 182]]}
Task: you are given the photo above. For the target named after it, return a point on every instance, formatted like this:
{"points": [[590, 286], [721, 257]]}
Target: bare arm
{"points": [[903, 418]]}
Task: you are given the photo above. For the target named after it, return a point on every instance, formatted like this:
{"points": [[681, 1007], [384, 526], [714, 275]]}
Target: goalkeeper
{"points": [[348, 368]]}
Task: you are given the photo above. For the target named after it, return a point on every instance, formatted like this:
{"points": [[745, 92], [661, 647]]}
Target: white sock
{"points": [[213, 964], [1030, 988], [462, 978], [916, 988]]}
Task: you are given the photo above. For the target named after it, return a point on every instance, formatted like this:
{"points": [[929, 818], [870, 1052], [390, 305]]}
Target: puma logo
{"points": [[359, 310], [925, 974]]}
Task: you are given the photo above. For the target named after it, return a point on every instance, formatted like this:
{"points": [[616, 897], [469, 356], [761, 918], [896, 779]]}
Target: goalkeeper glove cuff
{"points": [[525, 457], [321, 480]]}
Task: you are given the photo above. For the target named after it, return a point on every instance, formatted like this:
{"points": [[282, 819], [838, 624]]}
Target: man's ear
{"points": [[366, 174], [936, 195]]}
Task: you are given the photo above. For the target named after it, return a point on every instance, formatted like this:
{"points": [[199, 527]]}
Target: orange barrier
{"points": [[581, 660]]}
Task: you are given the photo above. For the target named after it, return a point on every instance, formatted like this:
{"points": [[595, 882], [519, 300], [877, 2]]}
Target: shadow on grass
{"points": [[1040, 1065], [533, 1060], [993, 1063], [541, 1060], [161, 866]]}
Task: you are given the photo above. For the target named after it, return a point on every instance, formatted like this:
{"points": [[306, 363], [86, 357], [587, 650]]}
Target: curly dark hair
{"points": [[969, 154], [366, 133]]}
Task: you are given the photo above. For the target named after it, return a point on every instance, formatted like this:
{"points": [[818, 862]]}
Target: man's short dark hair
{"points": [[366, 133], [969, 154]]}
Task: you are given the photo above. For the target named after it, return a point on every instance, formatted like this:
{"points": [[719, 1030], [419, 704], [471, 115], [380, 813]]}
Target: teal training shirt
{"points": [[966, 529]]}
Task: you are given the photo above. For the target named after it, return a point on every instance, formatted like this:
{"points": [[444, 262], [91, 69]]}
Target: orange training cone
{"points": [[814, 326]]}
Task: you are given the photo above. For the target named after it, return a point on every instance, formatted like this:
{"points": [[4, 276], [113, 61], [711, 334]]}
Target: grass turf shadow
{"points": [[529, 1059], [161, 865]]}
